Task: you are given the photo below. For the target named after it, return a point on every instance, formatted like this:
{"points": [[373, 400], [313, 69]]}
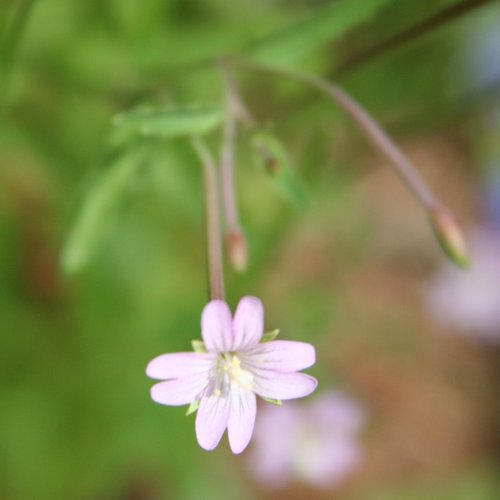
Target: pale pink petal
{"points": [[211, 420], [179, 391], [216, 326], [334, 460], [280, 355], [271, 457], [241, 419], [277, 385], [179, 364], [248, 323], [337, 414]]}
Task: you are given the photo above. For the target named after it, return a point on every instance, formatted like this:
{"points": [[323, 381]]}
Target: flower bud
{"points": [[449, 235], [237, 250]]}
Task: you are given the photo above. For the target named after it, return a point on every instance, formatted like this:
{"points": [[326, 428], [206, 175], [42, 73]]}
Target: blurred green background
{"points": [[76, 420]]}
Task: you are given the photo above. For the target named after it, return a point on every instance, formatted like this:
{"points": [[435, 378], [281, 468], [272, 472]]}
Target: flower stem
{"points": [[214, 247], [227, 164], [234, 108], [367, 124]]}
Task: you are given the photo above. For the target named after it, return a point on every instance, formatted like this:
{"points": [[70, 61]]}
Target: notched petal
{"points": [[216, 327], [179, 364], [281, 355], [241, 419], [211, 421], [179, 392], [248, 323], [277, 385]]}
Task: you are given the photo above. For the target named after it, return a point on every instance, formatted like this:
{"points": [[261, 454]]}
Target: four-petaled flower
{"points": [[222, 382]]}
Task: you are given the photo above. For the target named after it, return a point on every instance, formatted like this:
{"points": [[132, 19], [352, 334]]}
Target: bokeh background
{"points": [[353, 273]]}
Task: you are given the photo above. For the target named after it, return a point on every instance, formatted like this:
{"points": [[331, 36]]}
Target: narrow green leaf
{"points": [[193, 407], [276, 402], [330, 22], [268, 336], [98, 207], [198, 346], [273, 159], [156, 122]]}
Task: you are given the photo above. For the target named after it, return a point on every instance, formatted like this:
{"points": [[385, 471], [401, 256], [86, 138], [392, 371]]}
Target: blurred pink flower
{"points": [[315, 443], [225, 379], [469, 301]]}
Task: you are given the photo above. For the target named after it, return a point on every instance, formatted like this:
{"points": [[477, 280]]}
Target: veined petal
{"points": [[241, 419], [216, 327], [179, 364], [278, 385], [179, 391], [248, 323], [211, 420], [280, 355]]}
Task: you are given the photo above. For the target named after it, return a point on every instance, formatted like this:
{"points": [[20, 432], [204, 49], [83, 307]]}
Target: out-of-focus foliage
{"points": [[345, 274], [169, 123], [289, 45], [271, 156]]}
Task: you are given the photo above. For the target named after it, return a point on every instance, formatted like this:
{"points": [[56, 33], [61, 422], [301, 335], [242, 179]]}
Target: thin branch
{"points": [[441, 18]]}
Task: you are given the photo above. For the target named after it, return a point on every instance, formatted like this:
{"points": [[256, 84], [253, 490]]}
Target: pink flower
{"points": [[314, 443], [469, 301], [222, 382]]}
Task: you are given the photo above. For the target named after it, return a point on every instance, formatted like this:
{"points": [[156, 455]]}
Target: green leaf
{"points": [[156, 122], [287, 46], [98, 207], [193, 407], [268, 336], [198, 346], [273, 159], [276, 402]]}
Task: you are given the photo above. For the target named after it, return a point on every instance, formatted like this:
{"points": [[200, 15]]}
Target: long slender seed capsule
{"points": [[214, 246], [235, 238]]}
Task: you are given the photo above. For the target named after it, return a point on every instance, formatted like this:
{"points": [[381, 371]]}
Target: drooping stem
{"points": [[214, 247], [367, 124], [443, 223]]}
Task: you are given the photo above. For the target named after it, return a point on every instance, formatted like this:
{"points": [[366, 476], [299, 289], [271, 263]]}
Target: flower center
{"points": [[230, 375]]}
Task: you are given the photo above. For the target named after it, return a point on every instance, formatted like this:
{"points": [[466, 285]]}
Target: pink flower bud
{"points": [[237, 250], [449, 235]]}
